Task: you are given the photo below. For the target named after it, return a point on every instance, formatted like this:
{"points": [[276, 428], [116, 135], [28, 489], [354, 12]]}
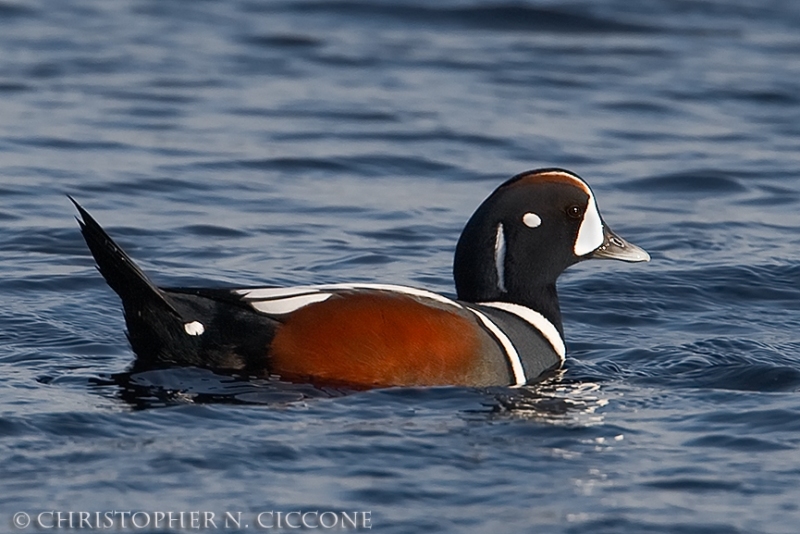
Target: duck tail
{"points": [[178, 326], [119, 270]]}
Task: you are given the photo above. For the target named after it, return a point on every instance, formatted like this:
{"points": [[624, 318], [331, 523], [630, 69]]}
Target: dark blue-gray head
{"points": [[526, 233]]}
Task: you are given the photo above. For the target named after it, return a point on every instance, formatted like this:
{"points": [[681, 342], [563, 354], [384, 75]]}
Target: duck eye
{"points": [[574, 212]]}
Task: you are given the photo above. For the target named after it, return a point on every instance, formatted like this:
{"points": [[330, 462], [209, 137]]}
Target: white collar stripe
{"points": [[508, 347], [535, 319]]}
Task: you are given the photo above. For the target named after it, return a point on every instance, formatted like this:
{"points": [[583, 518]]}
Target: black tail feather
{"points": [[119, 270], [231, 335]]}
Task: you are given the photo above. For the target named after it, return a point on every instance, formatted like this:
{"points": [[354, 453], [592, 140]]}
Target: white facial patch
{"points": [[531, 220], [500, 257], [590, 234], [195, 328]]}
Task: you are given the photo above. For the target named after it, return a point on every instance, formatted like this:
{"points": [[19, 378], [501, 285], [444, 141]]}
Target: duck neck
{"points": [[541, 298]]}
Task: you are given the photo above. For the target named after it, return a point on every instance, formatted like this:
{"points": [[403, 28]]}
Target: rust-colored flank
{"points": [[376, 339]]}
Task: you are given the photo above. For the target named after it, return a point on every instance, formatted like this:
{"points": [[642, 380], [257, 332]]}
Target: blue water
{"points": [[246, 142]]}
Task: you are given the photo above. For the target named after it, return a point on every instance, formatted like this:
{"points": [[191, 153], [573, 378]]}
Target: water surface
{"points": [[247, 142]]}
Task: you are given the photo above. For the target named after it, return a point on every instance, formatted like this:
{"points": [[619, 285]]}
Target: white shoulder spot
{"points": [[537, 320], [531, 220], [194, 328]]}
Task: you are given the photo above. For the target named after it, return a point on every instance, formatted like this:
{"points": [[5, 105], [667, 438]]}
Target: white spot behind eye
{"points": [[195, 328], [531, 220], [500, 257], [590, 234]]}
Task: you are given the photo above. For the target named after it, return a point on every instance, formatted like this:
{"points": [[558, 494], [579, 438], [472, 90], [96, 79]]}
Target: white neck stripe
{"points": [[500, 257], [535, 319], [508, 347]]}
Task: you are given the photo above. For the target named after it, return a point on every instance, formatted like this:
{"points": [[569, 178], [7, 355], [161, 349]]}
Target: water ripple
{"points": [[276, 142]]}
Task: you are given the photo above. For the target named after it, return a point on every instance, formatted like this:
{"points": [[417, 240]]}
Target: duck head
{"points": [[526, 233]]}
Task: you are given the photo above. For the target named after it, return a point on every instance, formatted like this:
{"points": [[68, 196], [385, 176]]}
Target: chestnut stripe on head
{"points": [[549, 175]]}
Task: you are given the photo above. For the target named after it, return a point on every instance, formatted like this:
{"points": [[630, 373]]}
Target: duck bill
{"points": [[616, 248]]}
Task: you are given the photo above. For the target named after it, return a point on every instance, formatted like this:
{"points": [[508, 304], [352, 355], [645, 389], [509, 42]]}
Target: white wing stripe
{"points": [[277, 292], [288, 304], [265, 293], [390, 287]]}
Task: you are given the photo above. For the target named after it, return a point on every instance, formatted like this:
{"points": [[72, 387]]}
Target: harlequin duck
{"points": [[503, 329]]}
